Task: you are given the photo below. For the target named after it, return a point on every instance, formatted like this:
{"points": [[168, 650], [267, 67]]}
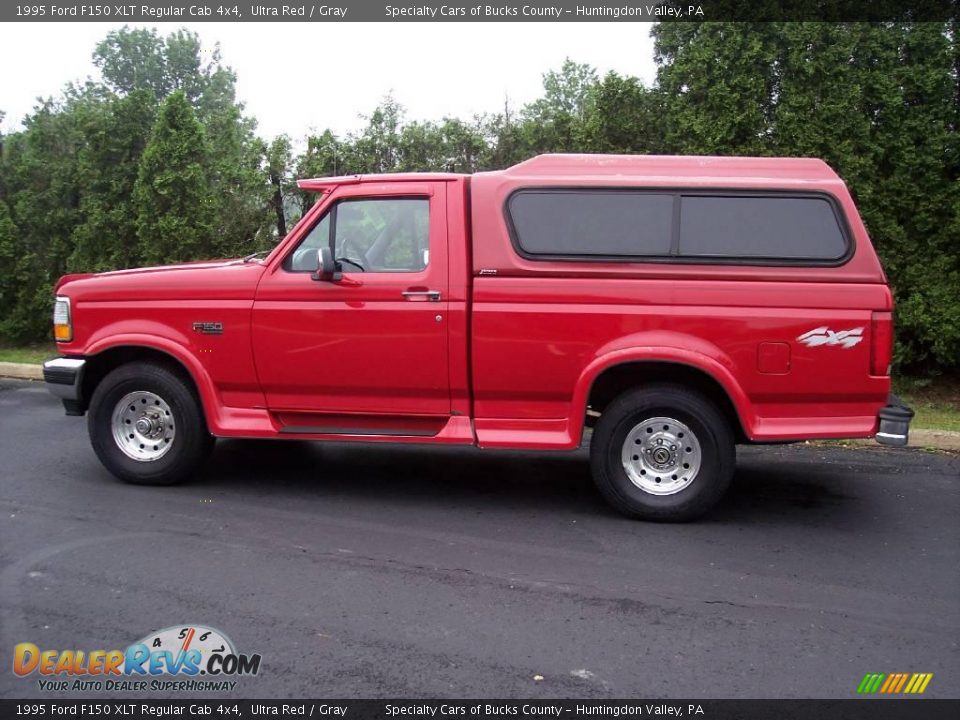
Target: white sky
{"points": [[299, 77]]}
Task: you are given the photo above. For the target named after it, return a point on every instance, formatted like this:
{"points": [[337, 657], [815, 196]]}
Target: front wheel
{"points": [[663, 452], [146, 425]]}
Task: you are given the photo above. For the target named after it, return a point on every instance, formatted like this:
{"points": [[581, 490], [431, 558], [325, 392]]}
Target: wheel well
{"points": [[102, 363], [618, 379]]}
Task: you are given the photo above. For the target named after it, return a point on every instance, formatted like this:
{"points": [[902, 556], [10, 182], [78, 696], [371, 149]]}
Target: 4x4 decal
{"points": [[825, 336]]}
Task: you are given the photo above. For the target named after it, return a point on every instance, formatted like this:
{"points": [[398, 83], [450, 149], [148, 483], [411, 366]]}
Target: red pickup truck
{"points": [[675, 305]]}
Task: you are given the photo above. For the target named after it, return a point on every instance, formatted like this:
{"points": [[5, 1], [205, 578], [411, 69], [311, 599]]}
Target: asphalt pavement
{"points": [[386, 571]]}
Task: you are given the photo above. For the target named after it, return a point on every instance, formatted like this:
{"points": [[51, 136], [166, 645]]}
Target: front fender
{"points": [[111, 338]]}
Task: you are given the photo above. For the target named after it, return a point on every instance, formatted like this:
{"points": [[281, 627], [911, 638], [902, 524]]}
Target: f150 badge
{"points": [[825, 336], [209, 328]]}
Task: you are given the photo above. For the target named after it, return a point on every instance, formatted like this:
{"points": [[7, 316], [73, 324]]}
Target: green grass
{"points": [[936, 401], [28, 354], [936, 418]]}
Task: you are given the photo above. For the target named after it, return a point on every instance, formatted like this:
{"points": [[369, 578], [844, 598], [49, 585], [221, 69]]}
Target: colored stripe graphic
{"points": [[870, 683], [918, 683], [894, 683]]}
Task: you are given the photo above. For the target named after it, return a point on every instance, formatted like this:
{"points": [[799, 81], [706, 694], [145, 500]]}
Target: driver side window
{"points": [[369, 235]]}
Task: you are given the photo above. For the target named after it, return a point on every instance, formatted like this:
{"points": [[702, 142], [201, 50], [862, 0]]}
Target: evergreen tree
{"points": [[237, 168], [717, 81], [17, 281], [141, 60], [115, 136], [175, 207], [877, 102], [38, 172], [623, 117]]}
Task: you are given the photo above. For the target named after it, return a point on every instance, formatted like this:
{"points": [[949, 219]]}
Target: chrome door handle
{"points": [[431, 295]]}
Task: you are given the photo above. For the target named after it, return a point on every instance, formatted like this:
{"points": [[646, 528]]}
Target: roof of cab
{"points": [[626, 166]]}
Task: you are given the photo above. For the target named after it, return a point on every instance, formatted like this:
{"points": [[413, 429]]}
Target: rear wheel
{"points": [[146, 425], [662, 452]]}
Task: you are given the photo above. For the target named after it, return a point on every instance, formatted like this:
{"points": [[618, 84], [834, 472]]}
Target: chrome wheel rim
{"points": [[143, 426], [661, 456]]}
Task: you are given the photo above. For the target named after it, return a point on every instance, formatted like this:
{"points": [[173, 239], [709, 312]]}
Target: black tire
{"points": [[701, 416], [190, 445]]}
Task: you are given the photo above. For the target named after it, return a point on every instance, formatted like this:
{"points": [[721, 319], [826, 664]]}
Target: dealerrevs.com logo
{"points": [[189, 658]]}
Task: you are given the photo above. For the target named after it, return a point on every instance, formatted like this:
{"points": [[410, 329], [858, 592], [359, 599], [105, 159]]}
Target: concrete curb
{"points": [[919, 438], [939, 439], [22, 371]]}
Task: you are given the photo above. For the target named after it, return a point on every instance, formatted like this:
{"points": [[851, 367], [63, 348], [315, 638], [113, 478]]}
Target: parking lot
{"points": [[420, 572]]}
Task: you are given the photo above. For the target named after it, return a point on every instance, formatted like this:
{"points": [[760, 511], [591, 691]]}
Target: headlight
{"points": [[62, 322]]}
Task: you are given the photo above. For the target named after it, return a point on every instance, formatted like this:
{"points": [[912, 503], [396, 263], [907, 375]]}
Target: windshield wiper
{"points": [[254, 256]]}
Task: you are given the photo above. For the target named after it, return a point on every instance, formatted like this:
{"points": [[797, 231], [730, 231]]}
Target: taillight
{"points": [[881, 343]]}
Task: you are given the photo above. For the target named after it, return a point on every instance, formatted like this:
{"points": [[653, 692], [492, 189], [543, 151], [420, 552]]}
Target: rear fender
{"points": [[669, 347]]}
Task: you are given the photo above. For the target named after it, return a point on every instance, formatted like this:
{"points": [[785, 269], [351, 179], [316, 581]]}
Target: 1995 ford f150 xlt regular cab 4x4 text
{"points": [[678, 305]]}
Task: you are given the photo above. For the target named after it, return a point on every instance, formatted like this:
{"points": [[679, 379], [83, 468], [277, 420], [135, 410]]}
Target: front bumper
{"points": [[894, 423], [64, 378]]}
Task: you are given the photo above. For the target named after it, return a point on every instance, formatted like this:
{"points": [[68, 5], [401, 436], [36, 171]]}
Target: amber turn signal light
{"points": [[62, 322]]}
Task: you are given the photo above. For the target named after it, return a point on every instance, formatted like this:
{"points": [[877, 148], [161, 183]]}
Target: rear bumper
{"points": [[64, 378], [894, 420]]}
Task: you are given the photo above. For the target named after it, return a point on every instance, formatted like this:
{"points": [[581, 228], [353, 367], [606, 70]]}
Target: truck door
{"points": [[371, 346]]}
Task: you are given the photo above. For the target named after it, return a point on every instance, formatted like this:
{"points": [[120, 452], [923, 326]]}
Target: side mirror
{"points": [[328, 269]]}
